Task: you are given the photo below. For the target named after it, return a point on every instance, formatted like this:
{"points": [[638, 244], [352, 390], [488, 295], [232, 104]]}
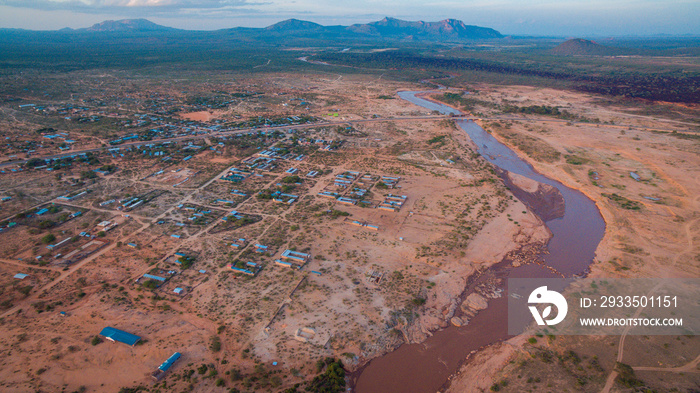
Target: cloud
{"points": [[133, 7]]}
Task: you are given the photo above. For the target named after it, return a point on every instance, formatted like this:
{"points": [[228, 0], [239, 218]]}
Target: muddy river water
{"points": [[426, 367]]}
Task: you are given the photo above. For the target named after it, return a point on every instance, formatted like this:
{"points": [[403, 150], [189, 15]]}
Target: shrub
{"points": [[215, 345]]}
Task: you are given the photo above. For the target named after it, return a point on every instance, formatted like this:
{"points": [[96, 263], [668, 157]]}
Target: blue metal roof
{"points": [[154, 277], [168, 363], [113, 334]]}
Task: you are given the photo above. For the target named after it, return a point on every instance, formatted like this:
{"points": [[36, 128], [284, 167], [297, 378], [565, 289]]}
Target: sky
{"points": [[565, 18]]}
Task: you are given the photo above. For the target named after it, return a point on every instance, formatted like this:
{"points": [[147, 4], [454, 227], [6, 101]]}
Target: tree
{"points": [[48, 238], [34, 162], [332, 380], [88, 175]]}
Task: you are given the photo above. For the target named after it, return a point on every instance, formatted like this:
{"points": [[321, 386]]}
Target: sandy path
{"points": [[691, 367], [613, 375], [27, 265]]}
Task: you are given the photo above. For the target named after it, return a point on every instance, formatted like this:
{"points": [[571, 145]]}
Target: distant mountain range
{"points": [[387, 28]]}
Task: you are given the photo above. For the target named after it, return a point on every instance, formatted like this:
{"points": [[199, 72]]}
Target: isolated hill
{"points": [[294, 25], [127, 25], [581, 47], [448, 29]]}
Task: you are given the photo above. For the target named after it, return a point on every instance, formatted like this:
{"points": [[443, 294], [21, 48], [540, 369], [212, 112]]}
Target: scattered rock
{"points": [[473, 303]]}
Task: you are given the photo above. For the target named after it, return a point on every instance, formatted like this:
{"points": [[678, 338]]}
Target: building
{"points": [[285, 264], [260, 248], [116, 335], [298, 257], [152, 277], [328, 194], [241, 270], [347, 201], [163, 368]]}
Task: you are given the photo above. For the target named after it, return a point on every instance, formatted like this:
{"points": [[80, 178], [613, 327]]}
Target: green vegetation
{"points": [[626, 376], [497, 386], [544, 110], [651, 81], [26, 290], [462, 102], [438, 139], [215, 344], [48, 238], [264, 195], [186, 262], [331, 381], [338, 213], [150, 284], [623, 202], [34, 162], [291, 179], [575, 160], [88, 175]]}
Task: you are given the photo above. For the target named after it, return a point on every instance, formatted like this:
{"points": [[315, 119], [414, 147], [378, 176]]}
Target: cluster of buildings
{"points": [[288, 258], [127, 204], [351, 188], [261, 163], [197, 214], [293, 259], [279, 196], [236, 175], [392, 202], [247, 268], [324, 145], [345, 179]]}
